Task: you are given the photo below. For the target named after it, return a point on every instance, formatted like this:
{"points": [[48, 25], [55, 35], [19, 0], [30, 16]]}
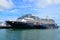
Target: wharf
{"points": [[5, 27]]}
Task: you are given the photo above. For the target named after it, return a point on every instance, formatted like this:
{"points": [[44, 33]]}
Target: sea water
{"points": [[30, 34]]}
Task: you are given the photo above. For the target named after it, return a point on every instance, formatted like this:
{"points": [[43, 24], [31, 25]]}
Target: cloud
{"points": [[28, 0], [8, 4], [44, 3], [4, 4]]}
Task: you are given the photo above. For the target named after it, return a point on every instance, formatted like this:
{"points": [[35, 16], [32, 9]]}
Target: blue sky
{"points": [[12, 9]]}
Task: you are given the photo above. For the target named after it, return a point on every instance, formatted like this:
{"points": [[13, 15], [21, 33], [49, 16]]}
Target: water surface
{"points": [[30, 34]]}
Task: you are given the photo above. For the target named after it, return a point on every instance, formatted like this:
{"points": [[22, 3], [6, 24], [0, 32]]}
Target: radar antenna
{"points": [[47, 17]]}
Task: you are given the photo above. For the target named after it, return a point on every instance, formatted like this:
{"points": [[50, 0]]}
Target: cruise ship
{"points": [[32, 22]]}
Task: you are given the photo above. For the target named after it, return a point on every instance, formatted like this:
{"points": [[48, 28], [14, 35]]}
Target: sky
{"points": [[12, 9]]}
